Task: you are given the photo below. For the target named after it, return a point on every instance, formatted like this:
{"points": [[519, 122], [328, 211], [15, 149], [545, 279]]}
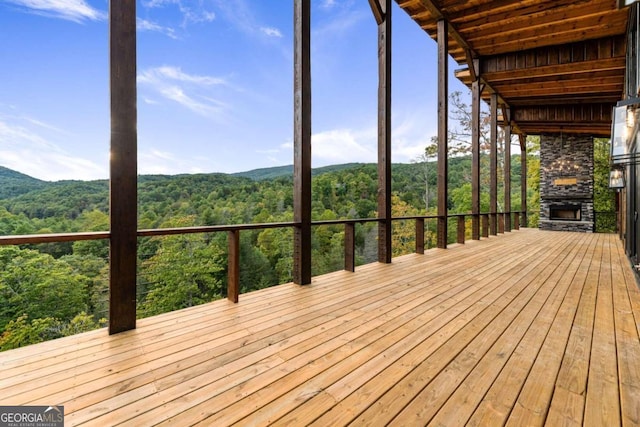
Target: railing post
{"points": [[350, 246], [516, 221], [461, 229], [501, 217], [233, 273], [420, 235], [485, 225]]}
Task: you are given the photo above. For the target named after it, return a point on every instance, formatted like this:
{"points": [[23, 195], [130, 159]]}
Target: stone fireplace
{"points": [[566, 183]]}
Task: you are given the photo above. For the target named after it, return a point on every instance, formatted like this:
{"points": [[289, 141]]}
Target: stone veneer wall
{"points": [[566, 178]]}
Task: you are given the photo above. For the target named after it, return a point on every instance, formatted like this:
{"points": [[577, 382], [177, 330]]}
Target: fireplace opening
{"points": [[565, 213]]}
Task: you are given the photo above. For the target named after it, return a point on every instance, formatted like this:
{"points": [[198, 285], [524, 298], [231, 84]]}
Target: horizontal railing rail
{"points": [[233, 230]]}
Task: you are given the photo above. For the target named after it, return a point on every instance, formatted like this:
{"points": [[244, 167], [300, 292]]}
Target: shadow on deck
{"points": [[526, 328]]}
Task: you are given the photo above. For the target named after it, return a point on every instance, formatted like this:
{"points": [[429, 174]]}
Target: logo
{"points": [[31, 416]]}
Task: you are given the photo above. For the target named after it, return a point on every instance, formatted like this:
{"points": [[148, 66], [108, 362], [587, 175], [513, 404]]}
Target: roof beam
{"points": [[453, 31], [376, 8]]}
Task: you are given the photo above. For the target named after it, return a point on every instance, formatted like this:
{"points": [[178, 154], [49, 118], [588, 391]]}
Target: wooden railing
{"points": [[233, 233]]}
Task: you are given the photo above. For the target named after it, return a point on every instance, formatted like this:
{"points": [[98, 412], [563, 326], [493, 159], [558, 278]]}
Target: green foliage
{"points": [[39, 286], [14, 183], [186, 270], [21, 332]]}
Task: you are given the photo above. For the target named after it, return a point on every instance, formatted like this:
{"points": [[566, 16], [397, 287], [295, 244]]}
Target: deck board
{"points": [[525, 328]]}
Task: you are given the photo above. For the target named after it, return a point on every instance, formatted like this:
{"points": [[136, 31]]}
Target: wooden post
{"points": [[461, 229], [123, 167], [420, 236], [516, 220], [501, 219], [523, 179], [302, 143], [443, 115], [493, 167], [233, 269], [507, 171], [350, 246], [384, 135], [476, 92], [485, 225]]}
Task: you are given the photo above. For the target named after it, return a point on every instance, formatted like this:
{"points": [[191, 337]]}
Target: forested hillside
{"points": [[57, 289]]}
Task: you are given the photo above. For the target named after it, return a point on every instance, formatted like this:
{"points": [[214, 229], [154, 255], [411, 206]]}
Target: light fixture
{"points": [[625, 3], [616, 178]]}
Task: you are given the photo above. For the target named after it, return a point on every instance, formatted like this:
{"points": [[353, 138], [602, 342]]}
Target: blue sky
{"points": [[214, 86]]}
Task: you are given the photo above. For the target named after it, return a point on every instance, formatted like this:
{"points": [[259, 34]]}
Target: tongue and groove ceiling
{"points": [[558, 65]]}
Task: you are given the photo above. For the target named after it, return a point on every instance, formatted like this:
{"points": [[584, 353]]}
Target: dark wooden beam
{"points": [[452, 31], [123, 167], [475, 160], [384, 136], [376, 9], [302, 143], [507, 170], [443, 132], [493, 167]]}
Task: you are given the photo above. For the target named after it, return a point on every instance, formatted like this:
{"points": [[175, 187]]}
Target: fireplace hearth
{"points": [[566, 183]]}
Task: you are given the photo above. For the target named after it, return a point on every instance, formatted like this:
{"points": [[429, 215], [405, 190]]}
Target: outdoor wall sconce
{"points": [[616, 179], [624, 131], [625, 3]]}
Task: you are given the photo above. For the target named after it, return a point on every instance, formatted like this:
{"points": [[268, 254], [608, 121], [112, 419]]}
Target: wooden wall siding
{"points": [[123, 167]]}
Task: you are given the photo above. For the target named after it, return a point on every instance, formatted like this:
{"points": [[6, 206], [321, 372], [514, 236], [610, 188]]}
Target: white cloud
{"points": [[145, 25], [153, 161], [176, 73], [343, 146], [187, 90], [24, 149], [271, 32], [72, 10], [328, 4], [191, 11]]}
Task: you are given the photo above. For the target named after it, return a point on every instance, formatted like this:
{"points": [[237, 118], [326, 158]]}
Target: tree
{"points": [[186, 270], [39, 286]]}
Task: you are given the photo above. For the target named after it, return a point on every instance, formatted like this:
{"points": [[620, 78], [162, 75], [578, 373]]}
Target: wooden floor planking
{"points": [[525, 328]]}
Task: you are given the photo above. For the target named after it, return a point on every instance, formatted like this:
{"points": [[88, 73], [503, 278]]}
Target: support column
{"points": [[302, 143], [507, 171], [123, 188], [476, 92], [493, 167], [443, 113], [523, 179], [384, 133]]}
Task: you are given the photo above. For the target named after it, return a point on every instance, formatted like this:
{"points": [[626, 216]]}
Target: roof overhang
{"points": [[559, 65]]}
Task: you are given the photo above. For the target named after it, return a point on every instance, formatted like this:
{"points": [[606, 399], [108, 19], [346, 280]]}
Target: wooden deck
{"points": [[526, 328]]}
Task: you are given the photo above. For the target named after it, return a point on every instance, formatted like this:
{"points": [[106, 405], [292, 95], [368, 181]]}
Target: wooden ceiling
{"points": [[559, 65]]}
